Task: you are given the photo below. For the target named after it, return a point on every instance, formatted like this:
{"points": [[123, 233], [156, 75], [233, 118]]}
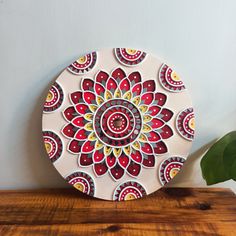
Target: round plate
{"points": [[118, 124]]}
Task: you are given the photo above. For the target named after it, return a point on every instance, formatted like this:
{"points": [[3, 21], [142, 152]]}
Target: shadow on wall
{"points": [[42, 171]]}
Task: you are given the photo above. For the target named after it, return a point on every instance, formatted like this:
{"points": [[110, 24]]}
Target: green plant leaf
{"points": [[219, 163]]}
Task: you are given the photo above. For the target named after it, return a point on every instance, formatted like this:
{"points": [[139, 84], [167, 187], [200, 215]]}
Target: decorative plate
{"points": [[118, 124]]}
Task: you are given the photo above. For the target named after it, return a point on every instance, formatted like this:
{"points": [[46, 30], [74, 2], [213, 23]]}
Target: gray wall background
{"points": [[39, 38]]}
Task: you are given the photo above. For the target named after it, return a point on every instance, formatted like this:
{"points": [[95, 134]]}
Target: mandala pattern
{"points": [[129, 191], [170, 80], [53, 145], [129, 57], [82, 181], [117, 123], [185, 124], [83, 64], [169, 168], [54, 98]]}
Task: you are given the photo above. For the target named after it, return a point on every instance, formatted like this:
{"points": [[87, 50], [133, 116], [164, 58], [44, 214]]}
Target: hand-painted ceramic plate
{"points": [[118, 124]]}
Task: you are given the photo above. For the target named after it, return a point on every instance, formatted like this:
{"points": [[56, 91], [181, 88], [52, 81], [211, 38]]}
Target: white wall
{"points": [[39, 38]]}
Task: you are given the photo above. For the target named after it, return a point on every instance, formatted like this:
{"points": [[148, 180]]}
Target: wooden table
{"points": [[170, 211]]}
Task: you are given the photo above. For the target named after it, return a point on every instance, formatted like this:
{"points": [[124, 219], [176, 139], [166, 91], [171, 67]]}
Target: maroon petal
{"points": [[149, 160], [70, 113], [156, 123], [88, 146], [153, 136], [135, 77], [81, 134], [87, 84], [98, 156], [82, 108], [146, 148], [166, 132], [137, 89], [99, 89], [123, 161], [118, 74], [79, 121], [134, 168], [166, 114], [100, 168], [76, 97], [111, 84], [89, 97], [159, 99], [75, 146], [136, 156], [102, 77], [154, 110], [124, 85], [149, 86], [69, 130], [85, 159], [117, 172], [159, 147], [111, 160], [147, 98]]}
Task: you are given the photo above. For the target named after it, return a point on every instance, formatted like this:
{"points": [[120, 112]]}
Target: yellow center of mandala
{"points": [[175, 76], [174, 172], [192, 123], [49, 97], [130, 196], [79, 186], [48, 147], [131, 51], [82, 60]]}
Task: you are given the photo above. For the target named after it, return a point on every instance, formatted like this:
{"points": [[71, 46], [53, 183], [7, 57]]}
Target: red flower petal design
{"points": [[136, 156], [159, 147], [74, 146], [166, 132], [81, 134], [156, 123], [134, 77], [159, 99], [166, 114], [149, 161], [154, 110], [111, 84], [153, 136], [70, 113], [124, 85], [123, 161], [89, 97], [79, 121], [117, 172], [76, 97], [87, 84], [99, 89], [137, 89], [146, 148], [118, 74], [85, 159], [69, 131], [149, 86], [111, 160], [147, 98], [100, 168], [88, 146], [134, 168], [82, 108], [98, 156], [102, 77]]}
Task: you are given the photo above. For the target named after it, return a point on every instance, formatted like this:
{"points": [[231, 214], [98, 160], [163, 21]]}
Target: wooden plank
{"points": [[183, 211], [132, 229]]}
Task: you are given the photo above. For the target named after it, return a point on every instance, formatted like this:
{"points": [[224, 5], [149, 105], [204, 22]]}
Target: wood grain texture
{"points": [[181, 211]]}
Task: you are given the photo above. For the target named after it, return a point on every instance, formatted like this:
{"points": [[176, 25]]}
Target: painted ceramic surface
{"points": [[118, 124]]}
